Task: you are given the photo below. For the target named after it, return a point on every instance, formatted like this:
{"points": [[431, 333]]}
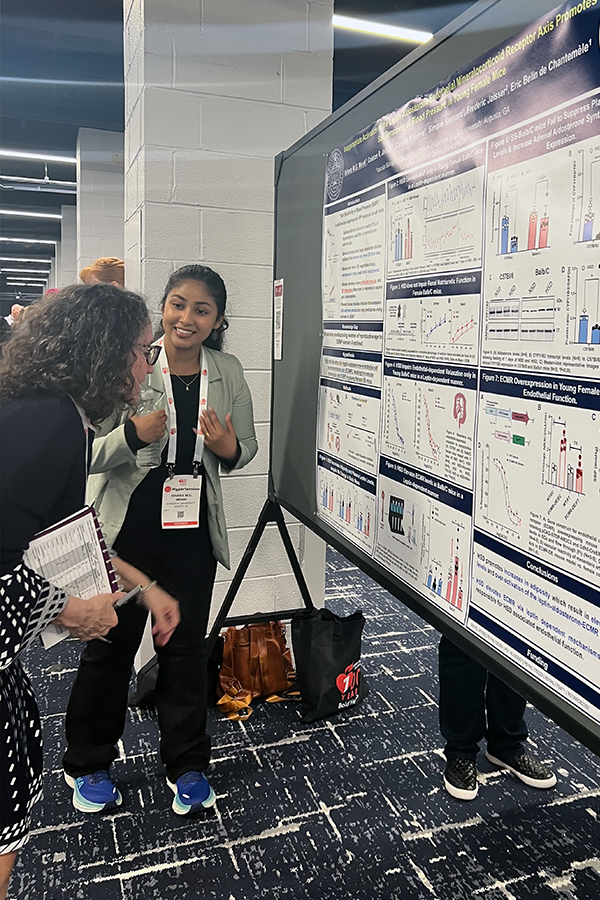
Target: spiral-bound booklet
{"points": [[72, 555]]}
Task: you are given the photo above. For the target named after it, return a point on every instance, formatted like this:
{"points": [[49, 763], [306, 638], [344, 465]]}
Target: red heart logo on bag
{"points": [[347, 682]]}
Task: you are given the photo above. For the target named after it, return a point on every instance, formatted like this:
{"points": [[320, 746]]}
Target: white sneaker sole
{"points": [[183, 810], [460, 793], [87, 806], [543, 783]]}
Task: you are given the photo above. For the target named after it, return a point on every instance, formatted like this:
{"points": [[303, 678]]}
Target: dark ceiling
{"points": [[62, 69]]}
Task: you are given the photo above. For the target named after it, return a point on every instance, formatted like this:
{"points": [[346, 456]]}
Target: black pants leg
{"points": [[506, 730], [181, 686], [475, 704], [98, 703]]}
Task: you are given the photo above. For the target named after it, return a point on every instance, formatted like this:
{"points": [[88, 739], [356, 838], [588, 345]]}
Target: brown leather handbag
{"points": [[256, 663]]}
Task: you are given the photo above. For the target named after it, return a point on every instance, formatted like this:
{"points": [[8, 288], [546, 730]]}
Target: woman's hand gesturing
{"points": [[165, 614], [221, 440]]}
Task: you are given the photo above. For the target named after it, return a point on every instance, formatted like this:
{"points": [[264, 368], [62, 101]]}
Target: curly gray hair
{"points": [[77, 342]]}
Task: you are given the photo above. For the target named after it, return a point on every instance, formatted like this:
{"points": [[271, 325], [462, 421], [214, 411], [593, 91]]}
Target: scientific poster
{"points": [[459, 416]]}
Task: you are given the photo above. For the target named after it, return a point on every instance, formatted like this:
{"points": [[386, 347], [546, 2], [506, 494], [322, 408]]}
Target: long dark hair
{"points": [[77, 342], [215, 286]]}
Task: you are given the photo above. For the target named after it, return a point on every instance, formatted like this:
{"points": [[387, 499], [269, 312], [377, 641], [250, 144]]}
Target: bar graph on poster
{"points": [[459, 416]]}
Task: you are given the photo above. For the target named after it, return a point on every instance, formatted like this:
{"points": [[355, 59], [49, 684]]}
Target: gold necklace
{"points": [[186, 383]]}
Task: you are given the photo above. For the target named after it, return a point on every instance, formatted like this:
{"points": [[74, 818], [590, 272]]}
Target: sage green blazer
{"points": [[114, 474]]}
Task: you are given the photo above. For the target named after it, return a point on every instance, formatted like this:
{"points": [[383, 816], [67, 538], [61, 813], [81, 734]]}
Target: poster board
{"points": [[436, 406]]}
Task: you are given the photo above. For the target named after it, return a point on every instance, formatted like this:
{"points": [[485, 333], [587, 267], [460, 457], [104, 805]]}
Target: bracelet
{"points": [[148, 586]]}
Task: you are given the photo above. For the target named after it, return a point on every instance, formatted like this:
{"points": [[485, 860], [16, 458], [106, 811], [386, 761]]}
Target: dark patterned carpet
{"points": [[348, 808]]}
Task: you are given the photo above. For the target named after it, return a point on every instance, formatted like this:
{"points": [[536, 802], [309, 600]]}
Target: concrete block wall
{"points": [[214, 89], [100, 195], [67, 270]]}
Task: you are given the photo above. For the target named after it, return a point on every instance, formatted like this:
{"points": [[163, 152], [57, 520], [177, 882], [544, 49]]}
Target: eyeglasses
{"points": [[151, 353]]}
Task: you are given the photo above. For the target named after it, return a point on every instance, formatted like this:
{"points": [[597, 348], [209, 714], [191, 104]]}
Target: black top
{"points": [[42, 469], [142, 529]]}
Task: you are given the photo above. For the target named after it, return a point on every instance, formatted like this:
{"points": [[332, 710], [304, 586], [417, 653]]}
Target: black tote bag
{"points": [[327, 657]]}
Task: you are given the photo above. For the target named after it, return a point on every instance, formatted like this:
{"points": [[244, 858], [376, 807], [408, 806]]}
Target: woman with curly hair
{"points": [[204, 394], [76, 357]]}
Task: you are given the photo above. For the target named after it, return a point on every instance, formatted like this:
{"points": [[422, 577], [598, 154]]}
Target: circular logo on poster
{"points": [[335, 174]]}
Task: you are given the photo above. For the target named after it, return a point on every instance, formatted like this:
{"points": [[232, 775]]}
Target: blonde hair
{"points": [[106, 270]]}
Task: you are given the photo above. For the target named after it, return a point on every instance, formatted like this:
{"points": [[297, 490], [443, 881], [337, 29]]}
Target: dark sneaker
{"points": [[192, 793], [94, 793], [460, 778], [527, 768]]}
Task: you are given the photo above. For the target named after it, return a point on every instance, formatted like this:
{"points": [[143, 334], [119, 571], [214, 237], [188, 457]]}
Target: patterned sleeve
{"points": [[28, 603]]}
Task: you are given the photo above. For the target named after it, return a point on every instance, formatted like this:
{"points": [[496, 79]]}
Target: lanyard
{"points": [[199, 447]]}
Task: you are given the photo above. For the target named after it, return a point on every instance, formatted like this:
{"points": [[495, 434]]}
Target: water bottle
{"points": [[148, 457]]}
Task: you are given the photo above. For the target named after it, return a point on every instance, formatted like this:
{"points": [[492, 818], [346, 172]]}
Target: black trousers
{"points": [[98, 703], [475, 704]]}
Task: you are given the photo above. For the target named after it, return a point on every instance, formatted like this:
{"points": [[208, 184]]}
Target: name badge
{"points": [[181, 501]]}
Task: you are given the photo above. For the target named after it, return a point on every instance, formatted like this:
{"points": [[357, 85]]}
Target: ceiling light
{"points": [[26, 259], [42, 276], [52, 181], [20, 240], [23, 271], [36, 188], [33, 215], [25, 284], [46, 157], [95, 84], [368, 27]]}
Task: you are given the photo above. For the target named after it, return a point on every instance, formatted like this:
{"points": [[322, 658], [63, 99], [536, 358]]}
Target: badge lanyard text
{"points": [[199, 447]]}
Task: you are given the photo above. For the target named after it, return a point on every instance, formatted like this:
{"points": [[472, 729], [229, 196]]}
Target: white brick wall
{"points": [[214, 89], [67, 271], [100, 195]]}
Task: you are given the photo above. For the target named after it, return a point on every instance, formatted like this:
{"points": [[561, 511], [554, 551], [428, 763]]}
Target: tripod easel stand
{"points": [[271, 513]]}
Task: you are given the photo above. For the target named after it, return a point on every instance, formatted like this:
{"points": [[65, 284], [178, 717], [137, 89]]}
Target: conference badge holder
{"points": [[181, 493]]}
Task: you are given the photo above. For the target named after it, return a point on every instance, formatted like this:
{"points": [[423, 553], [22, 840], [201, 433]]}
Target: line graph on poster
{"points": [[497, 496], [429, 327], [436, 227], [429, 426], [450, 320]]}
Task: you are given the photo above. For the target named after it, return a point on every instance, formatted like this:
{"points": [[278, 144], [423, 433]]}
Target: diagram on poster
{"points": [[539, 478], [433, 327], [349, 426], [429, 425]]}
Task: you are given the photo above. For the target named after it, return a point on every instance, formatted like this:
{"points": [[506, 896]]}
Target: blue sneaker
{"points": [[192, 793], [94, 793]]}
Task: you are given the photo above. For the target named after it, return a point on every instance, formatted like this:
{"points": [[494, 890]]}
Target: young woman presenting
{"points": [[169, 523]]}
